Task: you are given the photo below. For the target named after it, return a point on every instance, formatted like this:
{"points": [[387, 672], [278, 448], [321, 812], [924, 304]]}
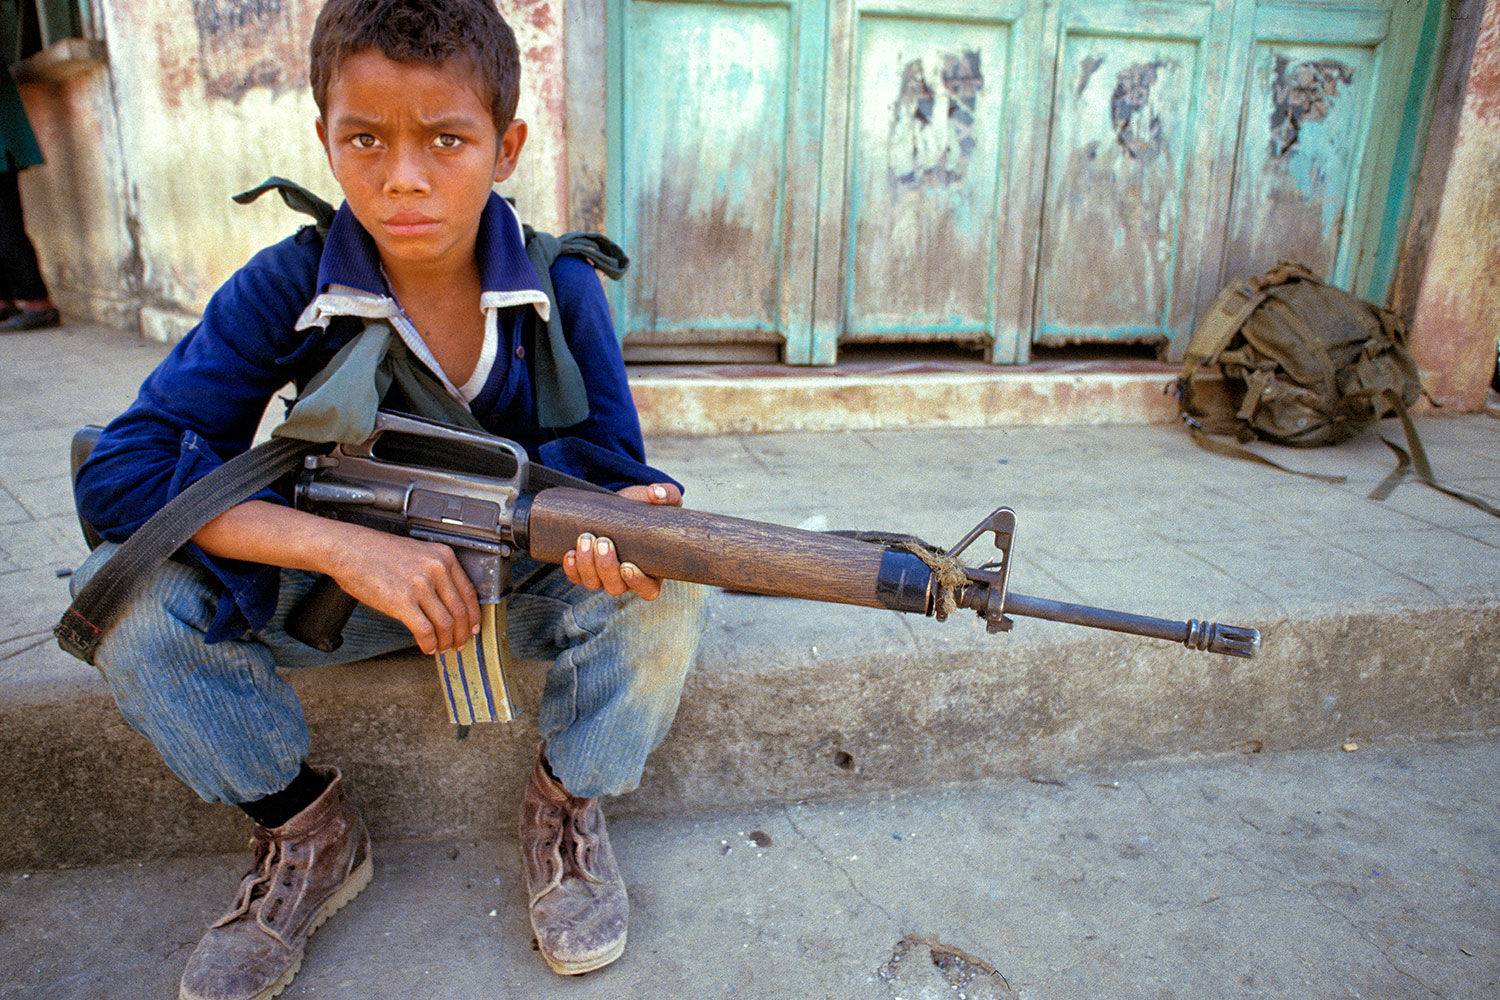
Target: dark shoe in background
{"points": [[31, 319]]}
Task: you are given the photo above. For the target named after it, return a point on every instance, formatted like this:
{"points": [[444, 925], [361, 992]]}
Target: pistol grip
{"points": [[319, 616]]}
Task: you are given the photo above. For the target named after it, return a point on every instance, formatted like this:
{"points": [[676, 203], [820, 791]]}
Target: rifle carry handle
{"points": [[319, 616]]}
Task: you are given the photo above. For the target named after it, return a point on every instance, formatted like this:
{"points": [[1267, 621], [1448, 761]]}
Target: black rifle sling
{"points": [[104, 597]]}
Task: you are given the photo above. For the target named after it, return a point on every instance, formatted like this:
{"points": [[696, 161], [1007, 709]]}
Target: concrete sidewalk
{"points": [[1316, 875], [1380, 622]]}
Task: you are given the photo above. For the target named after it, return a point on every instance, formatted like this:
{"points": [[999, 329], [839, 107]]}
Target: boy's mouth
{"points": [[409, 222]]}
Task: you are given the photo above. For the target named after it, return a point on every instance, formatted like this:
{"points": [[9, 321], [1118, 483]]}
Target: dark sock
{"points": [[275, 809]]}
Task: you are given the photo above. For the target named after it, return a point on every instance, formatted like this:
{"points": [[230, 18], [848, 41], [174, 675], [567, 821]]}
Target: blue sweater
{"points": [[280, 319]]}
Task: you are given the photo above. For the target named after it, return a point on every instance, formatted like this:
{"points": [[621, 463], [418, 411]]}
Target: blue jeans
{"points": [[230, 726]]}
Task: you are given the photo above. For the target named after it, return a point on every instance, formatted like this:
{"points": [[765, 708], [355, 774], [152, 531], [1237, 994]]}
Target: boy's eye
{"points": [[363, 140], [449, 141]]}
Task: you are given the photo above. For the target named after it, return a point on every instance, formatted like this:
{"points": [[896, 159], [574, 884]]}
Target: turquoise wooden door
{"points": [[716, 120], [800, 175]]}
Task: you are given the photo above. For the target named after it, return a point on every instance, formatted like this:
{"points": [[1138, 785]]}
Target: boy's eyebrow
{"points": [[455, 120]]}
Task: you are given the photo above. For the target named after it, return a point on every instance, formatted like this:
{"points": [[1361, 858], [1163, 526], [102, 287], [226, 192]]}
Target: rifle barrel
{"points": [[1233, 640]]}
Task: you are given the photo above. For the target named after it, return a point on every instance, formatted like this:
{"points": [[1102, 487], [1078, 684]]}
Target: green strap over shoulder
{"points": [[341, 401], [562, 399], [297, 198]]}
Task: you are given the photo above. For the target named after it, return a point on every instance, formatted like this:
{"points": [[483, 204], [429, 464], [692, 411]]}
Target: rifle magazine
{"points": [[474, 680]]}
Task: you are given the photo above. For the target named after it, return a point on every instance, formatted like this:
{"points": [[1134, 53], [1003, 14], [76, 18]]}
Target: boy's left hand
{"points": [[594, 563]]}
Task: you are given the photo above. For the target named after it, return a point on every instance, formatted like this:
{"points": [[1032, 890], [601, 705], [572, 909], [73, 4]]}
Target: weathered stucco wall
{"points": [[1457, 318], [132, 213], [74, 212]]}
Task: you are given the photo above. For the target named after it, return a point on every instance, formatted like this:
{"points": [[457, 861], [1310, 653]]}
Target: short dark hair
{"points": [[427, 32]]}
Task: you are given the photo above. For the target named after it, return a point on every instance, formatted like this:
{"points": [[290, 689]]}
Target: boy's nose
{"points": [[407, 172]]}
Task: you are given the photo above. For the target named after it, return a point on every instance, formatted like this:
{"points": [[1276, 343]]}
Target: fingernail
{"points": [[603, 546], [627, 571], [660, 492], [585, 542]]}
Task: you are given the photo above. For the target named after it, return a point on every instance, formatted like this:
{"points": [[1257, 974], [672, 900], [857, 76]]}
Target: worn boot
{"points": [[304, 872], [578, 906]]}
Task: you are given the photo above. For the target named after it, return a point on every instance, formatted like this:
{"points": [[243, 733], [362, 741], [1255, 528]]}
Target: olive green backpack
{"points": [[1303, 364]]}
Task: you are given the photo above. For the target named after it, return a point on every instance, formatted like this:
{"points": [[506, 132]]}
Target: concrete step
{"points": [[891, 390], [1378, 619], [1372, 873]]}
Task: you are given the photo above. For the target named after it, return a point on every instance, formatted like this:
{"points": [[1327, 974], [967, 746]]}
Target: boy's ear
{"points": [[510, 149], [323, 138]]}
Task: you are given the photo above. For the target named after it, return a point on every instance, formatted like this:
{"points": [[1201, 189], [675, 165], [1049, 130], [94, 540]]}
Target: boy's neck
{"points": [[443, 304], [416, 285]]}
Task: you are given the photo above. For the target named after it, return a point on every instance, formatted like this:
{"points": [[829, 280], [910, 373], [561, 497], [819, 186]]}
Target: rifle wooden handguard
{"points": [[713, 549]]}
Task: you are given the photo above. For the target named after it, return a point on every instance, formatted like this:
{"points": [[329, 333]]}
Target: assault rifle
{"points": [[478, 494]]}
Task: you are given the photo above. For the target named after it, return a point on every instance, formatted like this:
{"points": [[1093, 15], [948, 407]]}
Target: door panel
{"points": [[1308, 118], [1127, 124], [708, 172], [928, 109]]}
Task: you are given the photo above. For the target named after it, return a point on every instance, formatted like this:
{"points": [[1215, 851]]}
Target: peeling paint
{"points": [[1087, 67], [1453, 331], [1305, 93], [540, 185], [1299, 159], [244, 44], [932, 137], [1133, 114], [923, 186], [1115, 187]]}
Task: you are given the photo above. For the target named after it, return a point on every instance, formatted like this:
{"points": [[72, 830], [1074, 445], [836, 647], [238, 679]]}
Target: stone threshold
{"points": [[706, 400]]}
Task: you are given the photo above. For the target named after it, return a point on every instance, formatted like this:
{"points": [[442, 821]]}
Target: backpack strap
{"points": [[1225, 318], [297, 198], [1230, 311], [1201, 437], [557, 383], [1416, 465]]}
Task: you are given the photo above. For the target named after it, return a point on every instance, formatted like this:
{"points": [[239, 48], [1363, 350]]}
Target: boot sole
{"points": [[586, 965], [353, 886]]}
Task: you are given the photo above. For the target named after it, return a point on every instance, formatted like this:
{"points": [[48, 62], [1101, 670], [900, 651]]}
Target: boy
{"points": [[417, 101]]}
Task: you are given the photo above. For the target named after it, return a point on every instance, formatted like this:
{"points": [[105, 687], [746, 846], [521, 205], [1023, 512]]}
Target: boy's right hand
{"points": [[420, 584]]}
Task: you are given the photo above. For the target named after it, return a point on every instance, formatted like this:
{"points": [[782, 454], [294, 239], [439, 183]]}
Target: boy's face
{"points": [[415, 149]]}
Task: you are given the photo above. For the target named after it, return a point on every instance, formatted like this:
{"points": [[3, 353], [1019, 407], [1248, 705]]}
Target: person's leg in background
{"points": [[26, 303]]}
